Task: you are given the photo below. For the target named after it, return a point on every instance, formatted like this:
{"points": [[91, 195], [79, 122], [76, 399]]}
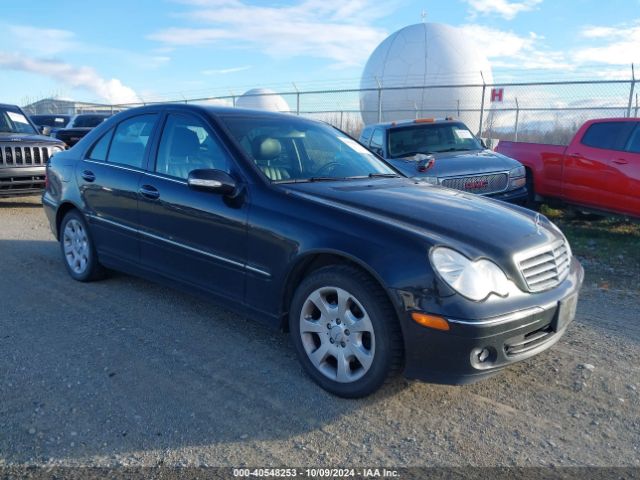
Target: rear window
{"points": [[608, 135], [88, 121], [58, 121]]}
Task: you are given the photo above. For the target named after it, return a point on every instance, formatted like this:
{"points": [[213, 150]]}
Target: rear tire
{"points": [[78, 251], [345, 331]]}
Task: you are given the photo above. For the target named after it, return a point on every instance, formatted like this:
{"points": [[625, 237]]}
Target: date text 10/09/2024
{"points": [[316, 472]]}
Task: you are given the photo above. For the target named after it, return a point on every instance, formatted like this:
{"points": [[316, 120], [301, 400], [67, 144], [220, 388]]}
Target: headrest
{"points": [[185, 143], [266, 148]]}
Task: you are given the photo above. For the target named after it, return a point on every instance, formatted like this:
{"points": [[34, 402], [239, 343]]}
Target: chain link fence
{"points": [[543, 112]]}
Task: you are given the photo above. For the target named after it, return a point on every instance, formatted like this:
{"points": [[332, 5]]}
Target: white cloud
{"points": [[507, 9], [44, 41], [226, 71], [333, 29], [111, 90], [617, 45], [510, 50]]}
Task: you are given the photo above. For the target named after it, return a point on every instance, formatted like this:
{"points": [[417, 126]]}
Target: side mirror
{"points": [[214, 181], [45, 130]]}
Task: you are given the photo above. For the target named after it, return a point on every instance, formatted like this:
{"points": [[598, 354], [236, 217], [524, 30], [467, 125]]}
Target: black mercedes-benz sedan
{"points": [[297, 225]]}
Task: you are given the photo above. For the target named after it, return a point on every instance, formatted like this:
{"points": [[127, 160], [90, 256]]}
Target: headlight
{"points": [[55, 149], [518, 172], [475, 280], [517, 178]]}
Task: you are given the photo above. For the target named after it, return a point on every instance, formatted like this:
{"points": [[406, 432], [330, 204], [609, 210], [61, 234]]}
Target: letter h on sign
{"points": [[497, 94]]}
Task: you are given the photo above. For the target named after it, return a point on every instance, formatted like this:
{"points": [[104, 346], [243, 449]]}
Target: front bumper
{"points": [[519, 195], [21, 181], [454, 356]]}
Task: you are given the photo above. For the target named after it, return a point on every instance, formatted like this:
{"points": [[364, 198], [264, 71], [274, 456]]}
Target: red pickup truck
{"points": [[599, 170]]}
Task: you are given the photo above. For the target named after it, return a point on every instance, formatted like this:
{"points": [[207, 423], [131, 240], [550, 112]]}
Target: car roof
{"points": [[217, 110], [416, 121], [9, 105]]}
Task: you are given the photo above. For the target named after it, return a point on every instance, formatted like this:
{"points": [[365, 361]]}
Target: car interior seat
{"points": [[266, 149], [184, 153]]}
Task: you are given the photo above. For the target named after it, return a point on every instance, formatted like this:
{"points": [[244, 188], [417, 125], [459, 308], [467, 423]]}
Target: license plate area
{"points": [[565, 313]]}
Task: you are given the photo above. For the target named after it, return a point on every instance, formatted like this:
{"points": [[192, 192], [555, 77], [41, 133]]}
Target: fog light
{"points": [[483, 355]]}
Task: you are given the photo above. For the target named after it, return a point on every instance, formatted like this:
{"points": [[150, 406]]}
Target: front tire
{"points": [[78, 250], [345, 331]]}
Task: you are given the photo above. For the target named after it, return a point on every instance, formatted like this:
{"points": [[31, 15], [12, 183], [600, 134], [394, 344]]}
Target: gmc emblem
{"points": [[476, 184]]}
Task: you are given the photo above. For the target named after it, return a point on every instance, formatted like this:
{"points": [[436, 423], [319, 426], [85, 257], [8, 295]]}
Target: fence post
{"points": [[484, 89], [341, 114], [633, 84], [636, 114], [458, 108], [297, 99], [233, 98], [379, 100], [517, 118]]}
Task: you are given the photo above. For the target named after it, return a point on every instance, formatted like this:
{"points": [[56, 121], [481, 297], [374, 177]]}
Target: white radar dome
{"points": [[428, 54], [262, 99]]}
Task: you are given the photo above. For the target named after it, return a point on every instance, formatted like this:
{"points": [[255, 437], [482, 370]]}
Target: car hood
{"points": [[455, 164], [476, 225], [27, 138]]}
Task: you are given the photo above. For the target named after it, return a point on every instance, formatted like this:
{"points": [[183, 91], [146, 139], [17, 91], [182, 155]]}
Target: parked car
{"points": [[297, 225], [50, 124], [23, 153], [599, 170], [79, 126], [445, 152]]}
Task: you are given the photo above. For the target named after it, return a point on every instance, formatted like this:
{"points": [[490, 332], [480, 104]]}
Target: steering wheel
{"points": [[326, 168]]}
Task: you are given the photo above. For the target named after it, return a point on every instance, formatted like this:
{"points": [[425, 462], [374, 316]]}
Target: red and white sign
{"points": [[497, 94]]}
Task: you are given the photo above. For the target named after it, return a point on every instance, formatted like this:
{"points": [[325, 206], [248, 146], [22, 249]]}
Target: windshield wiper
{"points": [[412, 154], [383, 175], [455, 150]]}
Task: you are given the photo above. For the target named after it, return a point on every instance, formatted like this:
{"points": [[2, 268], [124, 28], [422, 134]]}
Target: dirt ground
{"points": [[127, 372]]}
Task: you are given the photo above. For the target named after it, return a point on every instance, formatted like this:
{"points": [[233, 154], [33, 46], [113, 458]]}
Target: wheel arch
{"points": [[314, 260], [64, 208]]}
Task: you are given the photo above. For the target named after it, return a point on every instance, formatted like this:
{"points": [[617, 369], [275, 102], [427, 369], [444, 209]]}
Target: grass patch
{"points": [[608, 247]]}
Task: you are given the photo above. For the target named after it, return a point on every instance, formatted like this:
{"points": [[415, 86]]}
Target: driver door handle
{"points": [[620, 161]]}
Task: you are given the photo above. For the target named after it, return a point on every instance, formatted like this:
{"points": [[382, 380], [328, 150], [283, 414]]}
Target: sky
{"points": [[149, 50]]}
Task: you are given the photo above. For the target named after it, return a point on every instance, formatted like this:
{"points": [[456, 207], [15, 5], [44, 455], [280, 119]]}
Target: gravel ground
{"points": [[126, 372]]}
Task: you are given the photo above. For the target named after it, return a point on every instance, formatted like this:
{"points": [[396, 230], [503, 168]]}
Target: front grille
{"points": [[482, 184], [545, 267], [524, 343], [19, 155]]}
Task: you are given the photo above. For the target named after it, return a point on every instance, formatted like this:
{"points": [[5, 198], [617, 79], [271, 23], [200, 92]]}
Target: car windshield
{"points": [[88, 121], [57, 121], [431, 138], [14, 121], [290, 149]]}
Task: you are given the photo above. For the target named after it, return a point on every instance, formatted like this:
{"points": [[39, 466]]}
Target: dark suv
{"points": [[297, 225], [79, 126], [445, 152], [23, 153]]}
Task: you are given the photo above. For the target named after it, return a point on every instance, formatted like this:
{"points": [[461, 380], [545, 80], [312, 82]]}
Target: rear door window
{"points": [[633, 145], [608, 135], [130, 140]]}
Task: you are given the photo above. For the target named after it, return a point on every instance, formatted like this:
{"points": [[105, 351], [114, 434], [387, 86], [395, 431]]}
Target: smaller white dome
{"points": [[263, 99], [219, 102]]}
